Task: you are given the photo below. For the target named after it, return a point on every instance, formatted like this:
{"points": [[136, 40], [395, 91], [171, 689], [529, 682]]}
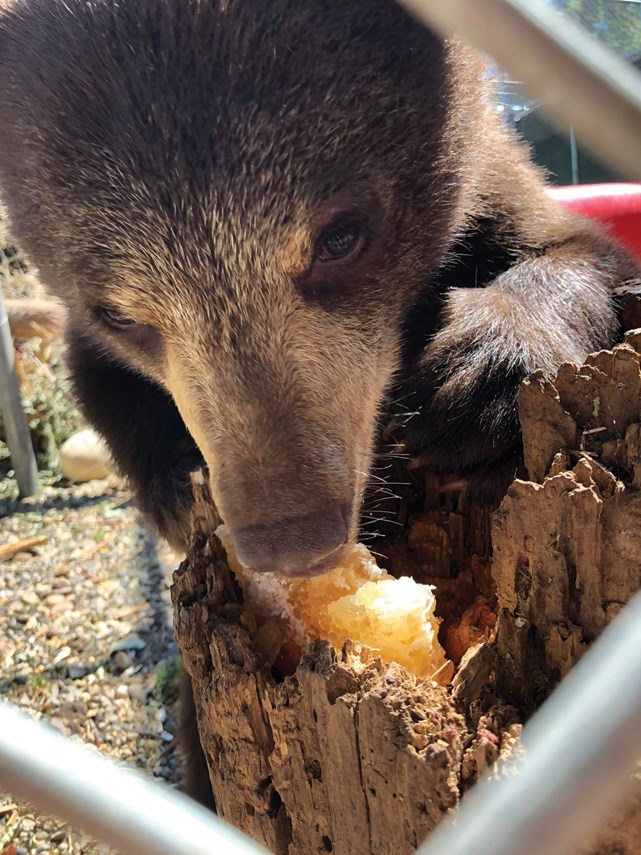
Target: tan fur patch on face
{"points": [[295, 252], [183, 395]]}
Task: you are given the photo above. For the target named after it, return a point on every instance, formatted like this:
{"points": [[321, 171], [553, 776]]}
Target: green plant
{"points": [[166, 681]]}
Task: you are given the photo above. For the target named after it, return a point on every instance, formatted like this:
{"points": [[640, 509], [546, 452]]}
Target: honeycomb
{"points": [[356, 600]]}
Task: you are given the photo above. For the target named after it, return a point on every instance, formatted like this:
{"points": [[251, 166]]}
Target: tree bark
{"points": [[567, 544], [353, 755], [349, 755]]}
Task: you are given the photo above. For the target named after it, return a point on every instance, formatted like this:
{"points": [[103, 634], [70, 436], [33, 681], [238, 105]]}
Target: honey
{"points": [[356, 600]]}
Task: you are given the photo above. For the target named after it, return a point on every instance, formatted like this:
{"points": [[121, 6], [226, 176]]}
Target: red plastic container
{"points": [[616, 206]]}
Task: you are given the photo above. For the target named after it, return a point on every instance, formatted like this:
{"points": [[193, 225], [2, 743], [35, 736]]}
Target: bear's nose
{"points": [[298, 546]]}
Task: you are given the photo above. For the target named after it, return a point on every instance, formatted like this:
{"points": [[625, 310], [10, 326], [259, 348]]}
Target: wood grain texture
{"points": [[353, 755]]}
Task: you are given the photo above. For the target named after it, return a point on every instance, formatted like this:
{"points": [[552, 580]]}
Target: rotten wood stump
{"points": [[349, 755], [353, 755], [567, 544]]}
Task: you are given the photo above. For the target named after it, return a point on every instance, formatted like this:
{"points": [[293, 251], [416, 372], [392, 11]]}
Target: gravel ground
{"points": [[86, 641]]}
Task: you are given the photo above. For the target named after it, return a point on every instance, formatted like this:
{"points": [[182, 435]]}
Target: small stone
{"points": [[61, 570], [122, 660], [166, 736], [138, 693], [60, 608], [62, 654], [60, 725], [84, 457], [108, 586], [130, 642], [54, 599], [75, 672], [30, 598]]}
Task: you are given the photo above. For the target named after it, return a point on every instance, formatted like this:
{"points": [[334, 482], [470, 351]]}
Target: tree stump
{"points": [[354, 755], [567, 544]]}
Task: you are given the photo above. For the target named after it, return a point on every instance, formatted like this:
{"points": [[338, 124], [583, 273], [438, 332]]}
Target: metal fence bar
{"points": [[17, 430], [121, 807], [580, 750], [580, 82]]}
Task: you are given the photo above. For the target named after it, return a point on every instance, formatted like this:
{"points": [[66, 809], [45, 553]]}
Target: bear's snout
{"points": [[299, 546]]}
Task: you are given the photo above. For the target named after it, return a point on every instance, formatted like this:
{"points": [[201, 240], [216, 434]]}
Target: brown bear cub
{"points": [[269, 219]]}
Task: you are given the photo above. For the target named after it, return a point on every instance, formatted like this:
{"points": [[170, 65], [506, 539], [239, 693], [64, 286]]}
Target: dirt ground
{"points": [[86, 641]]}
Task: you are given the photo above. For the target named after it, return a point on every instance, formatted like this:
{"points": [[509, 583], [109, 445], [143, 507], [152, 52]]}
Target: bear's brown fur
{"points": [[185, 174]]}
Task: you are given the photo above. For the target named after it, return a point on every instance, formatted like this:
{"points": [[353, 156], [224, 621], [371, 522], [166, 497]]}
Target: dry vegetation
{"points": [[46, 396]]}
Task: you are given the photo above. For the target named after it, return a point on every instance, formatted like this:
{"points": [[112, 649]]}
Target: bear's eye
{"points": [[340, 242], [113, 318]]}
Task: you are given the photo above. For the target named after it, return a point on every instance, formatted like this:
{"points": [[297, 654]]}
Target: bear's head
{"points": [[241, 200]]}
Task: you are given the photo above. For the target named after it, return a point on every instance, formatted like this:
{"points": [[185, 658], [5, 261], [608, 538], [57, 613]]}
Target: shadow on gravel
{"points": [[58, 502]]}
